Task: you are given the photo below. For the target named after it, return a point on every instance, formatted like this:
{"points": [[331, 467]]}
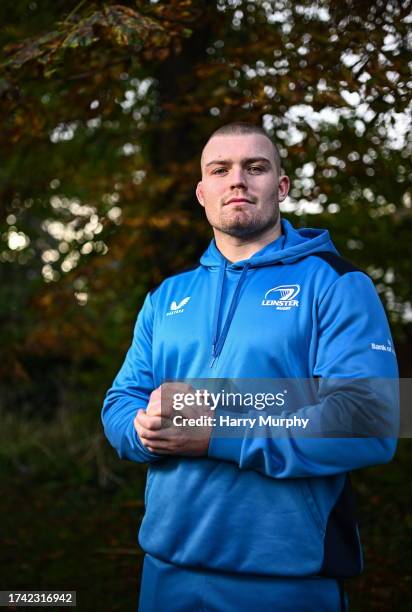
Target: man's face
{"points": [[240, 187]]}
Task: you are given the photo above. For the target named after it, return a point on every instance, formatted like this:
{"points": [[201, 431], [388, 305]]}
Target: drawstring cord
{"points": [[218, 342]]}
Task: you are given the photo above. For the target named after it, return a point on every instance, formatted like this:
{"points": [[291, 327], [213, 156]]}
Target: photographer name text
{"points": [[244, 422]]}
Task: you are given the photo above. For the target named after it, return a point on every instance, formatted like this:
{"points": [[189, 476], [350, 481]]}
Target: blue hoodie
{"points": [[277, 506]]}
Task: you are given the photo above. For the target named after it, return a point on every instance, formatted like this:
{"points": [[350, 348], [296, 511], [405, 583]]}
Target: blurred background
{"points": [[104, 109]]}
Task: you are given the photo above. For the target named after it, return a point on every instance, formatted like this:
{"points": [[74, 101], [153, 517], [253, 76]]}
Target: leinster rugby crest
{"points": [[282, 297]]}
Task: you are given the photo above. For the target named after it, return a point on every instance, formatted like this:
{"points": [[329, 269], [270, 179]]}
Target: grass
{"points": [[70, 513]]}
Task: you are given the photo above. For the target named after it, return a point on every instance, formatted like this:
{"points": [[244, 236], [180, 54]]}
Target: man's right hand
{"points": [[159, 410], [161, 399], [156, 428]]}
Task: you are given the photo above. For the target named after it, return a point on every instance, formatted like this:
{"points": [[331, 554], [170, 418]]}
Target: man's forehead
{"points": [[236, 147]]}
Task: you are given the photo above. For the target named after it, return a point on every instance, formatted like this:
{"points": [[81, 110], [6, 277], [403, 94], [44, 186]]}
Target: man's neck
{"points": [[237, 249]]}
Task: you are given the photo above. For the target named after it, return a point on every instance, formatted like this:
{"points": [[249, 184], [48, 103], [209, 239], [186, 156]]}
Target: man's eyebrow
{"points": [[228, 162]]}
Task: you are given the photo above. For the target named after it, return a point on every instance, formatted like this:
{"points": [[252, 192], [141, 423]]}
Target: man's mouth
{"points": [[238, 201]]}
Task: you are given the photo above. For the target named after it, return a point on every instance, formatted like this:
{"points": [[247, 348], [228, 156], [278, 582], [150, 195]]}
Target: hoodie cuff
{"points": [[225, 448], [133, 447], [139, 444]]}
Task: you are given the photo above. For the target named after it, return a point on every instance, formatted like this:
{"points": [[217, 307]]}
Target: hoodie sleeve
{"points": [[352, 392], [130, 391]]}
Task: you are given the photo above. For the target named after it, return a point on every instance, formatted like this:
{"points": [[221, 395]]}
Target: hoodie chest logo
{"points": [[177, 308], [282, 297]]}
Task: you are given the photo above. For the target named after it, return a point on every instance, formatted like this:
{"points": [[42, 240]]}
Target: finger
{"points": [[152, 449], [175, 391], [141, 418], [154, 408], [162, 447], [140, 423], [156, 392], [151, 422], [154, 435], [170, 388]]}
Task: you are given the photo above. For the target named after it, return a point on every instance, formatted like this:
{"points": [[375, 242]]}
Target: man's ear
{"points": [[199, 193], [284, 186]]}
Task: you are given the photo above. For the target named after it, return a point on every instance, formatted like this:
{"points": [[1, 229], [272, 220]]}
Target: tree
{"points": [[106, 107]]}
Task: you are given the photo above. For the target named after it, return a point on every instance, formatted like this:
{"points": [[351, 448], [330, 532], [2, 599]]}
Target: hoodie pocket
{"points": [[222, 518], [312, 506]]}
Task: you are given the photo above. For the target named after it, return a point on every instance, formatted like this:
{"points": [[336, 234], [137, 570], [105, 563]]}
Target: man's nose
{"points": [[237, 178]]}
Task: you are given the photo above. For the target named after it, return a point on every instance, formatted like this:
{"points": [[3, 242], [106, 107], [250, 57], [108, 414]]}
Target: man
{"points": [[244, 522]]}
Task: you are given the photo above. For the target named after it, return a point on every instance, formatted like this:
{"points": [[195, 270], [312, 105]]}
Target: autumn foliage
{"points": [[105, 107]]}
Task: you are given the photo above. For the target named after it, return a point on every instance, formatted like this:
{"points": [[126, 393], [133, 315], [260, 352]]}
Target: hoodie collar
{"points": [[292, 245]]}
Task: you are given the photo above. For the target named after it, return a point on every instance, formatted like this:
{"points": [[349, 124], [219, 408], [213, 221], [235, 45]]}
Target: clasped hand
{"points": [[157, 429]]}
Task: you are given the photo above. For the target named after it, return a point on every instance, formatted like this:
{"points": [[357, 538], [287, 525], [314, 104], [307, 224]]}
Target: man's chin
{"points": [[240, 230], [245, 226], [238, 221]]}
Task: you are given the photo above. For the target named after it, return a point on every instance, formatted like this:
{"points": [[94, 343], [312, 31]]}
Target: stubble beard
{"points": [[244, 224]]}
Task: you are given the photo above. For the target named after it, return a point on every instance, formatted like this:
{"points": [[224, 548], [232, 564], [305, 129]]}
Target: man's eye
{"points": [[256, 168], [219, 170]]}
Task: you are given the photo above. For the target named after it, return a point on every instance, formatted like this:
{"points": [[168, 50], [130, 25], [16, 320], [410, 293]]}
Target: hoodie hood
{"points": [[292, 245]]}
